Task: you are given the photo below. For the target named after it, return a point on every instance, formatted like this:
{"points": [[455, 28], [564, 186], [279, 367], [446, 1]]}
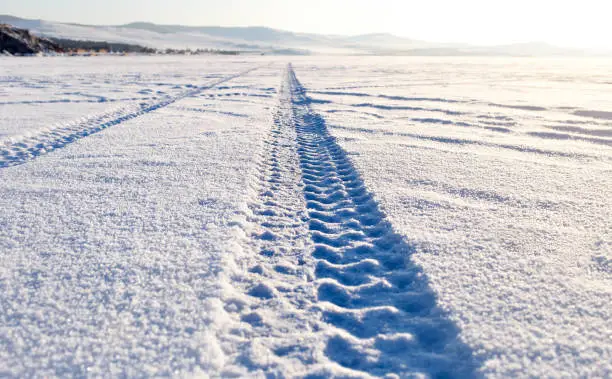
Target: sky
{"points": [[569, 23]]}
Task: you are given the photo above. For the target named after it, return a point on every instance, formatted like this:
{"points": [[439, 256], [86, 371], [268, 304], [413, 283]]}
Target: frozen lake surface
{"points": [[337, 216]]}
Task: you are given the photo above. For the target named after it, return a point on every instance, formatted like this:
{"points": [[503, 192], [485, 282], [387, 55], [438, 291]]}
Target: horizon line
{"points": [[465, 44]]}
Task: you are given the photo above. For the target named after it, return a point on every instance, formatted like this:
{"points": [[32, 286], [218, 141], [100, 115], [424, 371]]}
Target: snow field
{"points": [[512, 226], [401, 217], [115, 247], [62, 90]]}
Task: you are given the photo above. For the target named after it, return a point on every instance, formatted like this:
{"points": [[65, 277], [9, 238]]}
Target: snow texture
{"points": [[241, 217]]}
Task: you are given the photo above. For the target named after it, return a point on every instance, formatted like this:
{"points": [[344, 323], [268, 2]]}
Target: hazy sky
{"points": [[586, 23]]}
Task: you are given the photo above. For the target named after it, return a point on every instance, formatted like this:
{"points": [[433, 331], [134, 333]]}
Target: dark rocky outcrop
{"points": [[17, 41]]}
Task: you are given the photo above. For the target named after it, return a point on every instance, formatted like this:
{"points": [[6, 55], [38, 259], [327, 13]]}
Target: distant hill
{"points": [[268, 40], [16, 41]]}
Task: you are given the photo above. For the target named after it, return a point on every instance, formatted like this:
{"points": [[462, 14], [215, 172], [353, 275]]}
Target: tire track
{"points": [[330, 289], [29, 148], [377, 301]]}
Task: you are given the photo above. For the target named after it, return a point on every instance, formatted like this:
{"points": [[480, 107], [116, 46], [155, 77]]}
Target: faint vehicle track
{"points": [[278, 282], [26, 149]]}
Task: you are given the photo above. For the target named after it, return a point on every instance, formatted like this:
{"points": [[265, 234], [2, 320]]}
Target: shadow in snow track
{"points": [[380, 301], [32, 147]]}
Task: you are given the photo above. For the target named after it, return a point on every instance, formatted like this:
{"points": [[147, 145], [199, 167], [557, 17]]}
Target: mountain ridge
{"points": [[266, 39]]}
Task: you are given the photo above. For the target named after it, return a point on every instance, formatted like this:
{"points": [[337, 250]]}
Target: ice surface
{"points": [[235, 217]]}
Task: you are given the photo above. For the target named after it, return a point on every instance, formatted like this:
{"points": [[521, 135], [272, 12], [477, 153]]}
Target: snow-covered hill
{"points": [[178, 36], [262, 39]]}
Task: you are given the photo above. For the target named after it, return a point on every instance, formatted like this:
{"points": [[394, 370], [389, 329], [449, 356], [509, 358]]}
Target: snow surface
{"points": [[492, 170], [238, 217]]}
